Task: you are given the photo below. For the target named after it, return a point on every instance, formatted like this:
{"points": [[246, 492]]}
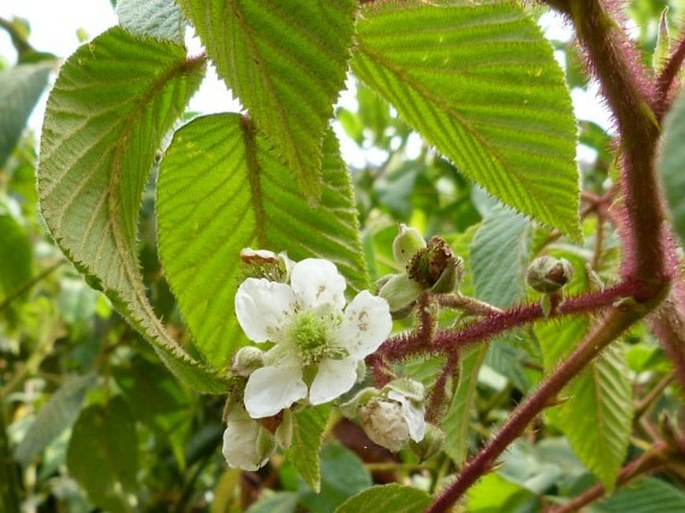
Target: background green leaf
{"points": [[20, 88], [648, 495], [112, 104], [392, 497], [16, 255], [504, 117], [671, 164], [222, 189], [103, 456], [286, 63]]}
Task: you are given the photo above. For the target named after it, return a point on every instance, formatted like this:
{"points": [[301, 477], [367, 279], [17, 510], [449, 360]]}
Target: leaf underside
{"points": [[286, 62], [481, 84], [113, 102], [221, 189]]}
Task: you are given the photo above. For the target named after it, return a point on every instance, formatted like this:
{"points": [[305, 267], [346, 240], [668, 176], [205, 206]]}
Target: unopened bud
{"points": [[406, 244], [247, 360], [400, 291], [547, 274]]}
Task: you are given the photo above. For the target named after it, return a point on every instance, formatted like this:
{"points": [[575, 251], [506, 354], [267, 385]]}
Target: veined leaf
{"points": [[307, 437], [671, 164], [597, 417], [114, 100], [480, 83], [157, 18], [381, 499], [286, 62], [647, 495], [222, 189], [20, 88]]}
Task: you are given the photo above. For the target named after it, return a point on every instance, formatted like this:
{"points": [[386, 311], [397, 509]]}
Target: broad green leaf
{"points": [[157, 18], [20, 88], [58, 414], [221, 189], [481, 84], [279, 502], [16, 258], [597, 415], [343, 475], [495, 494], [307, 437], [113, 102], [671, 164], [286, 63], [382, 499], [647, 495], [102, 455]]}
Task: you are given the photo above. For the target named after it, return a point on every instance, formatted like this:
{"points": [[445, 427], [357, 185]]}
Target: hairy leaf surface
{"points": [[221, 189], [481, 84], [157, 18], [286, 62], [112, 104], [307, 436]]}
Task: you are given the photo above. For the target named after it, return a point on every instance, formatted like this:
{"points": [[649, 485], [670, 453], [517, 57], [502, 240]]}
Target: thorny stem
{"points": [[649, 462]]}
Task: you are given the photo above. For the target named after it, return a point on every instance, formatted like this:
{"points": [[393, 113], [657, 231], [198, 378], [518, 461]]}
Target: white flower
{"points": [[317, 345], [247, 445], [392, 420]]}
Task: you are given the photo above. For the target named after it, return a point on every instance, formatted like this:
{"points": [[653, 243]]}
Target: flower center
{"points": [[310, 333]]}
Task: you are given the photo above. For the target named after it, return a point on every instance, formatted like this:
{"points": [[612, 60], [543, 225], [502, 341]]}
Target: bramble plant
{"points": [[488, 322]]}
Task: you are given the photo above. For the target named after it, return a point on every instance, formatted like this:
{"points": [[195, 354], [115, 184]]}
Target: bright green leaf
{"points": [[113, 102], [495, 494], [220, 190], [58, 414], [597, 415], [480, 83], [286, 63], [157, 18], [307, 436], [20, 88], [647, 495], [671, 164], [102, 455], [382, 499]]}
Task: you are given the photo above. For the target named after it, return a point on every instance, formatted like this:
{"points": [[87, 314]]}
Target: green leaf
{"points": [[343, 475], [494, 494], [20, 88], [308, 433], [16, 255], [286, 63], [157, 18], [480, 83], [112, 104], [221, 189], [279, 502], [597, 417], [671, 164], [102, 455], [647, 495], [499, 253], [58, 414], [392, 497]]}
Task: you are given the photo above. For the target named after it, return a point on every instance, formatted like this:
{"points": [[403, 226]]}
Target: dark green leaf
{"points": [[16, 255], [220, 190], [480, 83], [102, 455], [286, 63], [383, 499], [112, 104], [58, 414], [20, 88], [307, 436]]}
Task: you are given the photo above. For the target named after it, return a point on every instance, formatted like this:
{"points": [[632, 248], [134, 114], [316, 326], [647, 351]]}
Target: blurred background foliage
{"points": [[91, 419]]}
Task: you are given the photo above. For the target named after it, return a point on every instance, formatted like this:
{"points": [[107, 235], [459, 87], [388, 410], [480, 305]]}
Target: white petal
{"points": [[317, 282], [413, 415], [240, 445], [263, 307], [366, 324], [270, 389], [334, 378]]}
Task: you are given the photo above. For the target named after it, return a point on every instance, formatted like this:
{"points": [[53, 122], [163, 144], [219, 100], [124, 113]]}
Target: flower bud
{"points": [[247, 360], [547, 274], [431, 444], [436, 268], [262, 263], [400, 291], [406, 244], [246, 444]]}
